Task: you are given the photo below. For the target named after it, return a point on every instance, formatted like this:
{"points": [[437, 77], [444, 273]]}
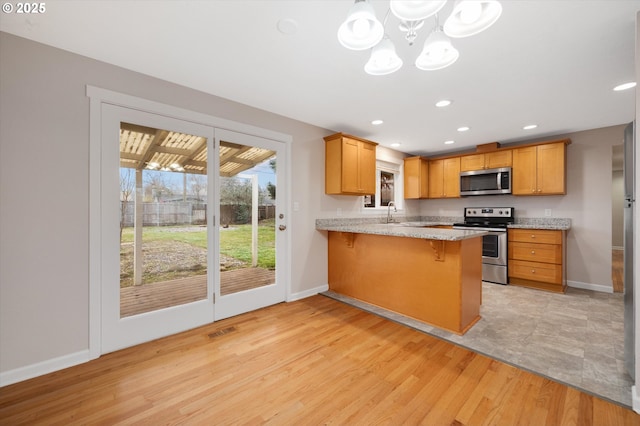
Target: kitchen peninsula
{"points": [[413, 268]]}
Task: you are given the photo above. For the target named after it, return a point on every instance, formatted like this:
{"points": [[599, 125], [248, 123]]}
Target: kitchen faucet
{"points": [[389, 218]]}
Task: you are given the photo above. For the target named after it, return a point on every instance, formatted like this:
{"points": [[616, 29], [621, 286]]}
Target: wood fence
{"points": [[191, 213]]}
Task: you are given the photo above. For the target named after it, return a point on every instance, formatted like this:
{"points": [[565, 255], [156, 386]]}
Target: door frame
{"points": [[99, 96]]}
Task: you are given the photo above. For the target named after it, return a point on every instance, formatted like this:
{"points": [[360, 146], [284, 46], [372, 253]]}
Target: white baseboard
{"points": [[590, 286], [41, 368], [49, 366], [635, 399], [307, 293]]}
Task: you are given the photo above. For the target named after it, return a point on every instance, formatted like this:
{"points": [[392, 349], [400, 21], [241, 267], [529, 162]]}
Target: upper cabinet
{"points": [[350, 165], [489, 160], [444, 178], [416, 178], [540, 169]]}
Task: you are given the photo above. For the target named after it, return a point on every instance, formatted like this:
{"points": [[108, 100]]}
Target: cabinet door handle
{"points": [[533, 236], [533, 271], [533, 252]]}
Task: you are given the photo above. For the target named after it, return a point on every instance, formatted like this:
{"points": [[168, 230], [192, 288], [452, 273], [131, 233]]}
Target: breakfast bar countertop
{"points": [[419, 227], [414, 229]]}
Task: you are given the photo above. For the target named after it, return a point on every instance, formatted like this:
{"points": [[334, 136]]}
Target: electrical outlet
{"points": [[547, 212], [296, 206], [339, 212]]}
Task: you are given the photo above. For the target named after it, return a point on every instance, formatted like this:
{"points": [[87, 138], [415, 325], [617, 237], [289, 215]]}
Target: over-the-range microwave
{"points": [[486, 182]]}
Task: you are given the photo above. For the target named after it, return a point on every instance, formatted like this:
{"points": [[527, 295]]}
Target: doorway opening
{"points": [[617, 219]]}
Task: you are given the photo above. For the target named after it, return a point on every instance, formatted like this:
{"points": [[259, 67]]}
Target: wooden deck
{"points": [[150, 297]]}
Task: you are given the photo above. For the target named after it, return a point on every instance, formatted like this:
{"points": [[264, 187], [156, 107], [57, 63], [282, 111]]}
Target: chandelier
{"points": [[362, 30]]}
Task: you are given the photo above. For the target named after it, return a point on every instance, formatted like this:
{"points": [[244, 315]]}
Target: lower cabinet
{"points": [[536, 259]]}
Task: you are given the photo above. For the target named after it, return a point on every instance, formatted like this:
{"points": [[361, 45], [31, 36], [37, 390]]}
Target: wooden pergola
{"points": [[147, 148], [154, 149]]}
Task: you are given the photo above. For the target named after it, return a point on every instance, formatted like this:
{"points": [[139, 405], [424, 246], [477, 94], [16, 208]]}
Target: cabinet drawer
{"points": [[545, 253], [544, 236], [535, 271]]}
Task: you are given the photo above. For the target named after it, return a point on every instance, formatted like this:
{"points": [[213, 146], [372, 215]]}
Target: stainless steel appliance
{"points": [[486, 182], [494, 220], [629, 207]]}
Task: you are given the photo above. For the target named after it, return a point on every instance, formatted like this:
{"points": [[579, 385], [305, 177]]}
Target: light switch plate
{"points": [[547, 212]]}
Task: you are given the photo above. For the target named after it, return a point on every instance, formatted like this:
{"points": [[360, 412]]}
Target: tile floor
{"points": [[575, 338]]}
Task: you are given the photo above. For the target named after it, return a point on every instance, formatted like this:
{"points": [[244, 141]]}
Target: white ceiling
{"points": [[552, 63]]}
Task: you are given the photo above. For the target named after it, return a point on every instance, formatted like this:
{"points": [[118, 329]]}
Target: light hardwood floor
{"points": [[309, 362], [617, 270]]}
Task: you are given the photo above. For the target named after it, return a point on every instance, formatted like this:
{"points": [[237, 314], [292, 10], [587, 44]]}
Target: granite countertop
{"points": [[558, 224], [414, 229]]}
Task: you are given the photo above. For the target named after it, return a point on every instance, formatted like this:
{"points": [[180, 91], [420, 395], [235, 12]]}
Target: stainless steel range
{"points": [[494, 220]]}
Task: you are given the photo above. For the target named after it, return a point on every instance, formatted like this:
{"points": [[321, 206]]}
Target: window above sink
{"points": [[389, 187]]}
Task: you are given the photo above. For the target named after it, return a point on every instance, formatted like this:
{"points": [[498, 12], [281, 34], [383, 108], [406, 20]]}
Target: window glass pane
{"points": [[247, 217], [370, 200], [387, 188], [163, 226]]}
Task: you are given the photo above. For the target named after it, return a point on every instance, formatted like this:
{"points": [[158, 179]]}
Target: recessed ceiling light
{"points": [[287, 26], [443, 103], [448, 142], [396, 144], [377, 122], [463, 128], [625, 86], [530, 126]]}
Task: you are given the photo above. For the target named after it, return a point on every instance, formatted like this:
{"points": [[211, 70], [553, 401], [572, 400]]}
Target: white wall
{"points": [[44, 199], [587, 203]]}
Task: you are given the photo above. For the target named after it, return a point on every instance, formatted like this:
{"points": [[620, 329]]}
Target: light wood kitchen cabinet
{"points": [[488, 160], [350, 165], [444, 178], [540, 169], [416, 178], [536, 259]]}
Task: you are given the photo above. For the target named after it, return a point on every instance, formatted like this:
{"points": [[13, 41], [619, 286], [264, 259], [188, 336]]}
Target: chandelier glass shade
{"points": [[438, 52], [384, 59], [362, 30], [415, 10], [471, 17]]}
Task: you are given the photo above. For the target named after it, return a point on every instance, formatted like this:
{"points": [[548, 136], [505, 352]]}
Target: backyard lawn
{"points": [[172, 252]]}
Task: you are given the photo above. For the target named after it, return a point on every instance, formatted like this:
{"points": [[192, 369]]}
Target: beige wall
{"points": [[44, 207]]}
